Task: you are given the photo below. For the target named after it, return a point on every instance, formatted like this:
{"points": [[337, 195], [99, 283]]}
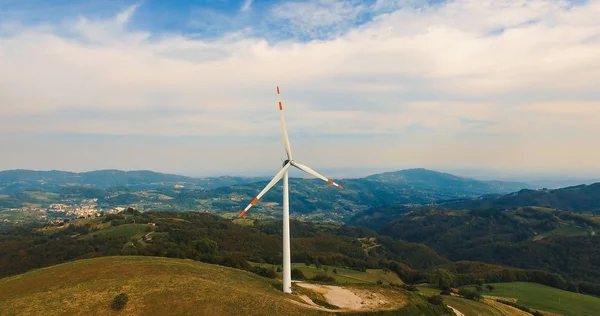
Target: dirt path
{"points": [[456, 311]]}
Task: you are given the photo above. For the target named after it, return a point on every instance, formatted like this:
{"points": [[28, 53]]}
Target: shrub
{"points": [[436, 300], [410, 287], [120, 301], [267, 273], [323, 278], [297, 274], [469, 294]]}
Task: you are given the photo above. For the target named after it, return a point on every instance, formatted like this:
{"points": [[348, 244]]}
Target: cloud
{"points": [[246, 6], [319, 18], [432, 77]]}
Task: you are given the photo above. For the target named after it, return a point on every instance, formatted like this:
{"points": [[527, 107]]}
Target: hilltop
{"points": [[165, 286]]}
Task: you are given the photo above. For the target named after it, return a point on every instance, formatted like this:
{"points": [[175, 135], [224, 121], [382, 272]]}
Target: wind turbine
{"points": [[283, 173]]}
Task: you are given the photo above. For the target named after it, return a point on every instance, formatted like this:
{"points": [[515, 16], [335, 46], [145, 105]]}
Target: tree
{"points": [[479, 288], [441, 278], [334, 270], [120, 301], [325, 268], [207, 245], [490, 287]]}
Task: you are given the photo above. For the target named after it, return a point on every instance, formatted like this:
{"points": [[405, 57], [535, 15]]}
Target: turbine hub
{"points": [[286, 162]]}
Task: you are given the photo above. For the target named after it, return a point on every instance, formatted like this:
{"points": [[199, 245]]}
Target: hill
{"points": [[531, 238], [580, 198], [163, 286], [441, 181]]}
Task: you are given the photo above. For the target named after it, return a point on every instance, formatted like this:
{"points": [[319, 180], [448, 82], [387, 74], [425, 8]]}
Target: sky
{"points": [[507, 86]]}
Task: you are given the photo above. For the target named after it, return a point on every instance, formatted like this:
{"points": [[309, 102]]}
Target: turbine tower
{"points": [[283, 173]]}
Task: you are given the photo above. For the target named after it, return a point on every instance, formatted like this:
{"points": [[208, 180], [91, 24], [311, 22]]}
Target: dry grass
{"points": [[155, 286]]}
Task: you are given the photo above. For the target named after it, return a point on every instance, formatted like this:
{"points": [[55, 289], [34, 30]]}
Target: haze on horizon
{"points": [[509, 86]]}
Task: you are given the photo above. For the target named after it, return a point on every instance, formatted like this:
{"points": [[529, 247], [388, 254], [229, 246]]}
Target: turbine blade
{"points": [[286, 140], [276, 179], [316, 174]]}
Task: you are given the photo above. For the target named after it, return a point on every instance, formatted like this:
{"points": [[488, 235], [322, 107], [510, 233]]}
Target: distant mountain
{"points": [[310, 199], [581, 198], [12, 181], [560, 183], [453, 185], [313, 199]]}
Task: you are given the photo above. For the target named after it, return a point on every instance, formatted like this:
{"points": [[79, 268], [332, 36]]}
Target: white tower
{"points": [[283, 173]]}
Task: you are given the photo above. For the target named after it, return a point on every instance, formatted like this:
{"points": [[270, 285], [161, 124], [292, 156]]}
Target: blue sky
{"points": [[382, 84]]}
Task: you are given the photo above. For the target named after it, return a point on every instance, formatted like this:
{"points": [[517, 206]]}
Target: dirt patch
{"points": [[354, 299]]}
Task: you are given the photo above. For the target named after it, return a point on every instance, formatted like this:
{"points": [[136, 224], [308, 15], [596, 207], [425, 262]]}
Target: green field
{"points": [[345, 276], [485, 307], [548, 299]]}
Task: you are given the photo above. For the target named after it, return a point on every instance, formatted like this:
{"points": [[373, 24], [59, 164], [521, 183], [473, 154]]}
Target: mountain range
{"points": [[12, 181], [311, 199]]}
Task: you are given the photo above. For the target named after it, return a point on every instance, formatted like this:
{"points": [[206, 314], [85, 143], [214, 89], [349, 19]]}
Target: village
{"points": [[56, 213]]}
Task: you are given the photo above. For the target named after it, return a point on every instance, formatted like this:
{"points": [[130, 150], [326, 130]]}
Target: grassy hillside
{"points": [[548, 299], [155, 286], [161, 286], [486, 307]]}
